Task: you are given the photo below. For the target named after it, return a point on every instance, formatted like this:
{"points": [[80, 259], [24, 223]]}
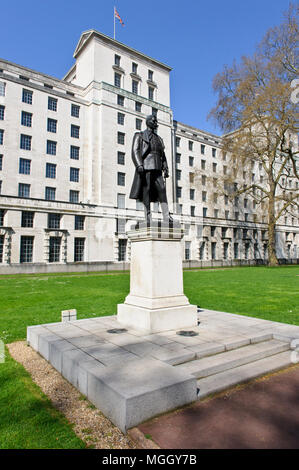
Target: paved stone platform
{"points": [[132, 376]]}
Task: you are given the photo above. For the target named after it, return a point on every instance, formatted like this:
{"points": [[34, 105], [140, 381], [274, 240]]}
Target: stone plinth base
{"points": [[156, 301], [154, 321]]}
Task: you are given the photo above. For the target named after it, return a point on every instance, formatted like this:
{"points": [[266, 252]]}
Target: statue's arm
{"points": [[136, 150]]}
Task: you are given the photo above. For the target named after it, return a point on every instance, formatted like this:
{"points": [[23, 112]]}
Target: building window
{"points": [[120, 100], [50, 170], [225, 250], [121, 179], [138, 106], [204, 211], [2, 109], [25, 142], [178, 158], [150, 93], [79, 222], [150, 75], [190, 145], [236, 250], [75, 131], [51, 147], [178, 174], [203, 180], [192, 194], [121, 201], [74, 196], [191, 161], [202, 251], [1, 136], [27, 219], [191, 177], [54, 221], [79, 249], [202, 149], [121, 138], [24, 190], [120, 119], [2, 88], [138, 124], [214, 167], [26, 119], [204, 196], [52, 125], [54, 249], [1, 162], [135, 87], [26, 249], [214, 153], [52, 103], [74, 175], [122, 248], [2, 212], [74, 152], [24, 166], [187, 250], [27, 96], [177, 141], [1, 247], [192, 211], [178, 192], [121, 225], [121, 158], [75, 110], [50, 193], [134, 67], [117, 79], [213, 250], [117, 60], [226, 215], [216, 213]]}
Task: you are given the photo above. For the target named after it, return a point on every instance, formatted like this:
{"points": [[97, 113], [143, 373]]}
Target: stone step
{"points": [[237, 357], [242, 374]]}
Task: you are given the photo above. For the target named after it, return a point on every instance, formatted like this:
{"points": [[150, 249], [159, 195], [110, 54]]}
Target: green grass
{"points": [[269, 293], [27, 418], [262, 292]]}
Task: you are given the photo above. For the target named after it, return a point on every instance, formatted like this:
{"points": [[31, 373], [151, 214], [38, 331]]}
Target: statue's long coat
{"points": [[140, 149]]}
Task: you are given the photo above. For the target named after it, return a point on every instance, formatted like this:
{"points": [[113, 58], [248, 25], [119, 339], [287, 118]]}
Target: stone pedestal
{"points": [[156, 301]]}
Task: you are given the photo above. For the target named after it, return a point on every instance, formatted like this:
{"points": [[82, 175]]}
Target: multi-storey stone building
{"points": [[66, 168]]}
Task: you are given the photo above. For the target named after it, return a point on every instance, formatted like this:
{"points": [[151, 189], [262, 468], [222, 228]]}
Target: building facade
{"points": [[66, 168]]}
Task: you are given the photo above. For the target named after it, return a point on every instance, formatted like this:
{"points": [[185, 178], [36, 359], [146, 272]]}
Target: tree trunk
{"points": [[273, 261]]}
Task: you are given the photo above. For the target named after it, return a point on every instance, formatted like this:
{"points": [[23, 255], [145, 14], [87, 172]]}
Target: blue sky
{"points": [[195, 37]]}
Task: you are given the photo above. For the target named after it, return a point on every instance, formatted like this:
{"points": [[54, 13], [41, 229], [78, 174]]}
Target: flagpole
{"points": [[114, 24]]}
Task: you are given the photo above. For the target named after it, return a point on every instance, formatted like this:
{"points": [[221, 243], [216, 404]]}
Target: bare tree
{"points": [[255, 110]]}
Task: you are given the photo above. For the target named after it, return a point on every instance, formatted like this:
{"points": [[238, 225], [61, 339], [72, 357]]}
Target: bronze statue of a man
{"points": [[150, 162]]}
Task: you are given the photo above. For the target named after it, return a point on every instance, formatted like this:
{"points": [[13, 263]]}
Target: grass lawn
{"points": [[27, 419], [269, 293]]}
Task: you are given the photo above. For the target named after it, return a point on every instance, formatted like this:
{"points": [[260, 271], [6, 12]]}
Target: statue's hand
{"points": [[140, 169]]}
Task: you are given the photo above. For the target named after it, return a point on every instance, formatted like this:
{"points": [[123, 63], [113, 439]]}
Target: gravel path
{"points": [[89, 423]]}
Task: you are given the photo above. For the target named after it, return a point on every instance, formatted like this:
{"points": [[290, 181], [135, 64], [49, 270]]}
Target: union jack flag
{"points": [[116, 14]]}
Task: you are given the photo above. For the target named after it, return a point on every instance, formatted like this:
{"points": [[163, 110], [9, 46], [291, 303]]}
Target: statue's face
{"points": [[152, 123]]}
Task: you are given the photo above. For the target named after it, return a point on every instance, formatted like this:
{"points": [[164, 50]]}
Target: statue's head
{"points": [[152, 122]]}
